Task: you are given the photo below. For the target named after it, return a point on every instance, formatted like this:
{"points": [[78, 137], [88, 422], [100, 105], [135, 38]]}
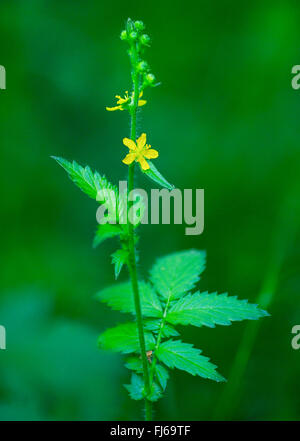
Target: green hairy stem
{"points": [[131, 241]]}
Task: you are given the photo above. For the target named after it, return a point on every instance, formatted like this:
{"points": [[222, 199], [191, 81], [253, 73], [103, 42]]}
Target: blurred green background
{"points": [[225, 119]]}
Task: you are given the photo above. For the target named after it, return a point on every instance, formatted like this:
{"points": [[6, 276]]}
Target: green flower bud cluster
{"points": [[138, 41], [134, 32]]}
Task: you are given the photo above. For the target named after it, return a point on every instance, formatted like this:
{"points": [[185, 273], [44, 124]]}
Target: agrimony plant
{"points": [[151, 341]]}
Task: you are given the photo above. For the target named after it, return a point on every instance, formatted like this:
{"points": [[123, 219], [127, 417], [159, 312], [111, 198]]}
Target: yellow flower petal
{"points": [[151, 154], [141, 94], [111, 109], [141, 141], [122, 101], [129, 143], [142, 103], [129, 158], [144, 163]]}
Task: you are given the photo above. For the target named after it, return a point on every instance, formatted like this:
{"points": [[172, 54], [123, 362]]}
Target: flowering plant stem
{"points": [[166, 300], [131, 247]]}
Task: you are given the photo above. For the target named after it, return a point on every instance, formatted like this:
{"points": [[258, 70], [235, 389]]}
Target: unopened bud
{"points": [[123, 35], [143, 66], [133, 35], [139, 25], [150, 78], [145, 39]]}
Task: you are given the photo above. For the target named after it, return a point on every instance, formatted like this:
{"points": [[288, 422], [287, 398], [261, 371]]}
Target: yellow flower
{"points": [[139, 151], [122, 102]]}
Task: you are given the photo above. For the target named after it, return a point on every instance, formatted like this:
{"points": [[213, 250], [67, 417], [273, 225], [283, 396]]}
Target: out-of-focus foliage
{"points": [[51, 369], [225, 119]]}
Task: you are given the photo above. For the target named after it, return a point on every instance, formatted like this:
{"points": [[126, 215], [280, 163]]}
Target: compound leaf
{"points": [[154, 326], [124, 338], [120, 297], [212, 309], [162, 375], [134, 363], [136, 387], [176, 354], [156, 392], [137, 392], [175, 274]]}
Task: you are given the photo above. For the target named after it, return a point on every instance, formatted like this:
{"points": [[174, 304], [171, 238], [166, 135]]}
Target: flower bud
{"points": [[143, 66], [133, 35], [139, 25], [123, 35], [145, 39], [150, 78]]}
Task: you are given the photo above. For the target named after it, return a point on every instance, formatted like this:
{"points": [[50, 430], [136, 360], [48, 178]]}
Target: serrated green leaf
{"points": [[212, 309], [162, 375], [120, 297], [106, 231], [89, 182], [175, 274], [154, 326], [135, 364], [136, 387], [119, 258], [157, 177], [156, 392], [124, 338], [176, 354]]}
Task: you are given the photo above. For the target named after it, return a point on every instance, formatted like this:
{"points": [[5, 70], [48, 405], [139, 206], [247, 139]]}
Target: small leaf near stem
{"points": [[158, 340]]}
